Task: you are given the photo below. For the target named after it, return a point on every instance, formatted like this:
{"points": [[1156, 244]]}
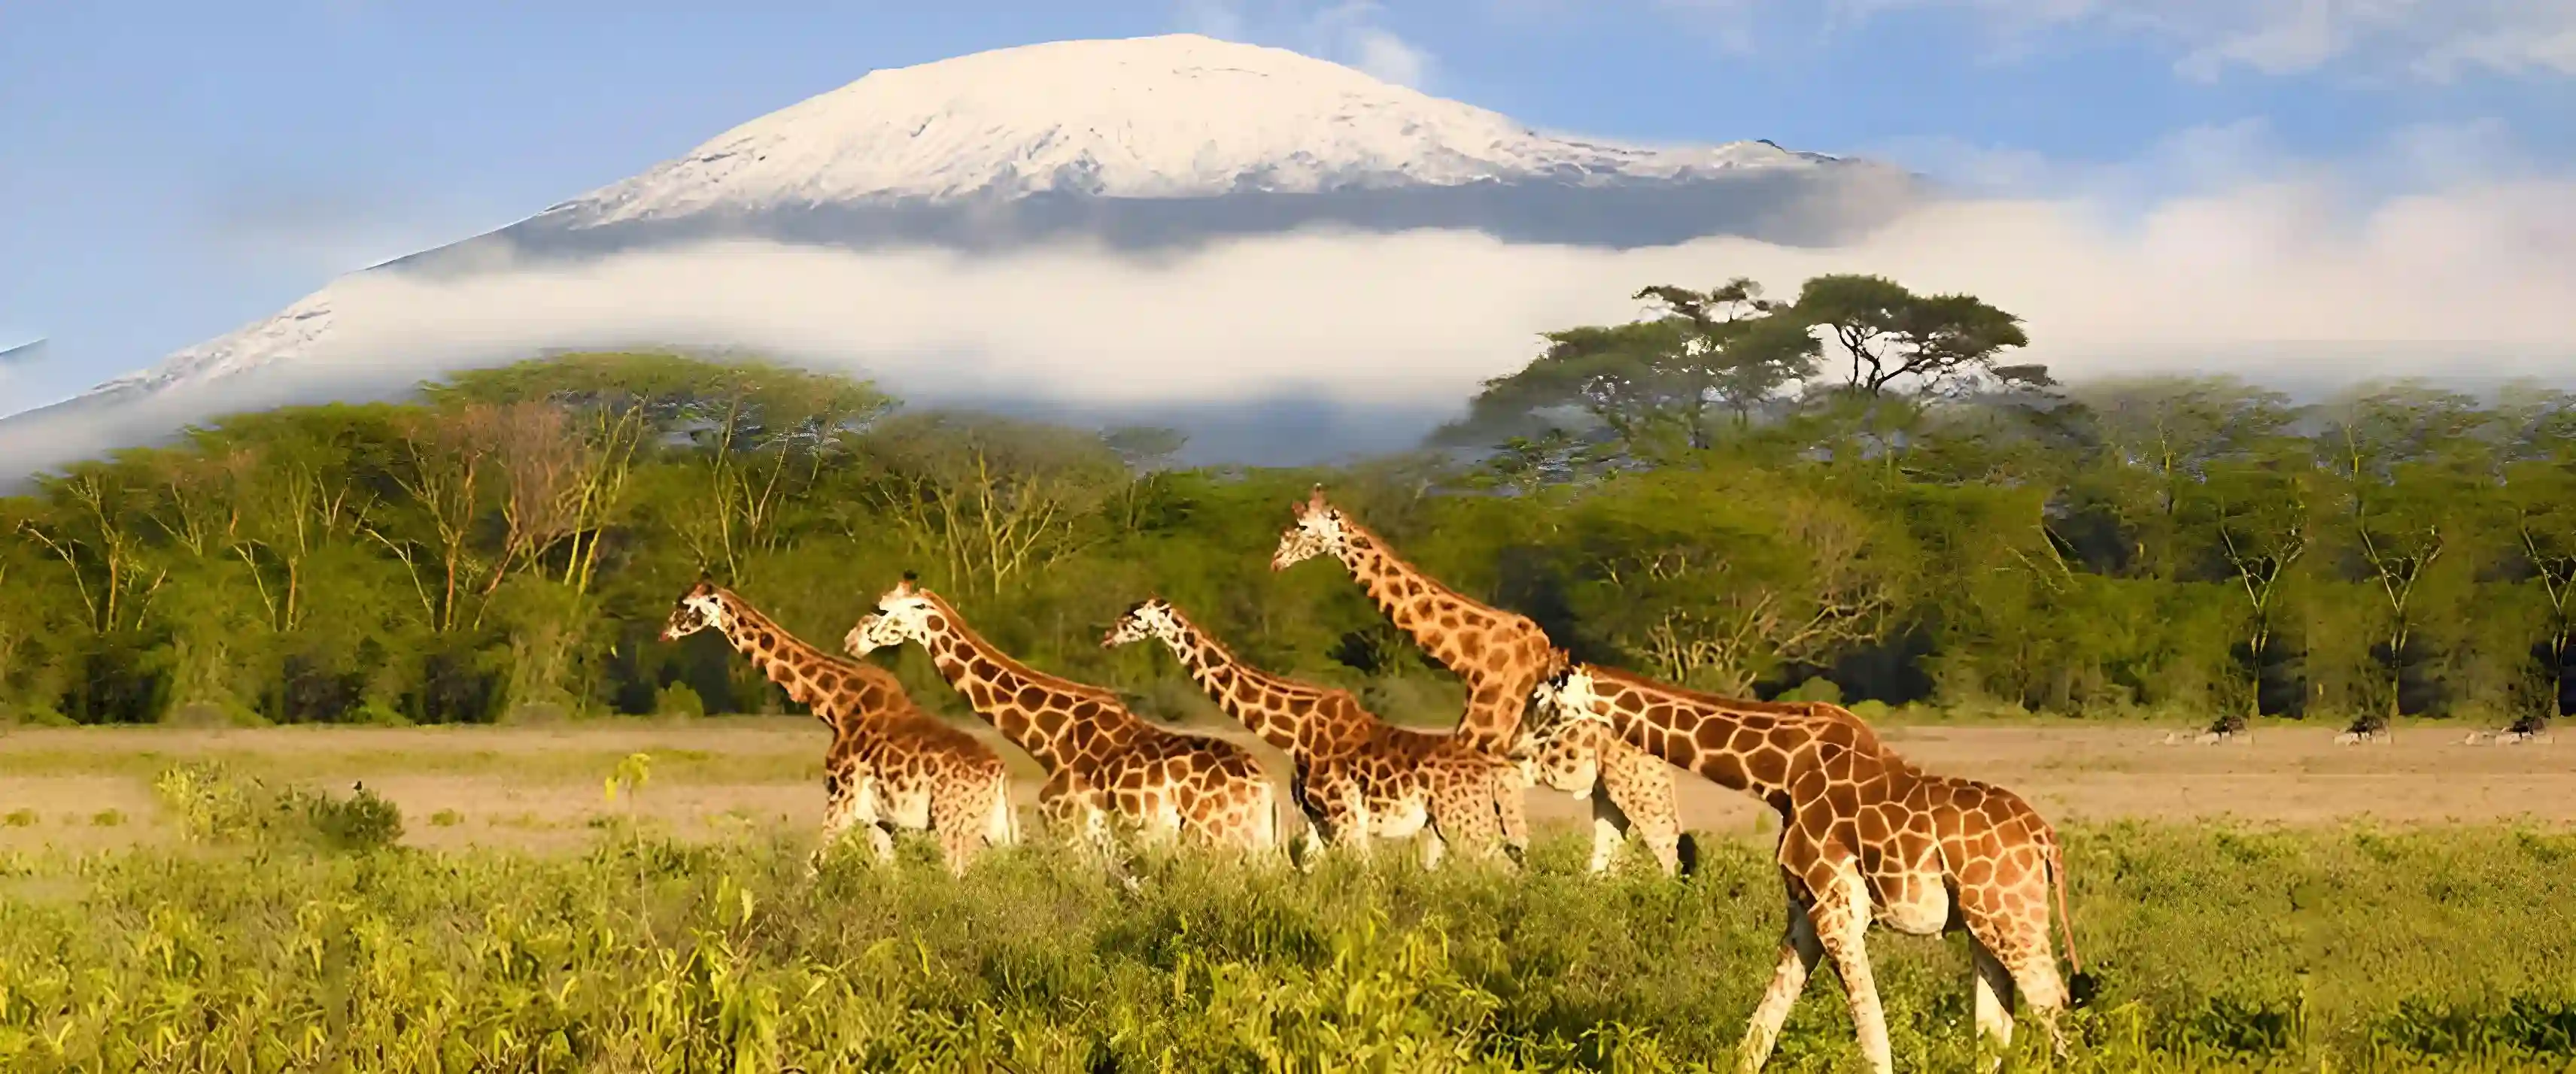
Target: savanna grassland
{"points": [[339, 738], [222, 900]]}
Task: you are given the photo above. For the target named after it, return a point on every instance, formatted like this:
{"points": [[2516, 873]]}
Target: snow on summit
{"points": [[1174, 116]]}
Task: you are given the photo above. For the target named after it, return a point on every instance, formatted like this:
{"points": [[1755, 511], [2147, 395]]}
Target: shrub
{"points": [[213, 805], [363, 821], [678, 699]]}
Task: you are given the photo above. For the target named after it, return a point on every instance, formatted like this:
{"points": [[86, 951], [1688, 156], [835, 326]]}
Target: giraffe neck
{"points": [[787, 660], [1259, 700], [1010, 695], [1458, 632], [1409, 598]]}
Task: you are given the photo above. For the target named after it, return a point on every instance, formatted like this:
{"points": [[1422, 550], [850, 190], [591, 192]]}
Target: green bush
{"points": [[213, 805], [362, 821], [1816, 689], [678, 699]]}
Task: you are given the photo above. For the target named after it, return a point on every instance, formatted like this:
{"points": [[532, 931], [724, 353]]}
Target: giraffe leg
{"points": [[953, 818], [1642, 789], [1002, 821], [1609, 832], [2034, 973], [1354, 828], [1841, 915], [1799, 952], [1994, 999], [840, 806], [1508, 812], [1310, 844], [2007, 922]]}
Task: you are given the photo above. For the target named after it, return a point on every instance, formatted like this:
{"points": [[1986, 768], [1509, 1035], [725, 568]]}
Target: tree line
{"points": [[1852, 493]]}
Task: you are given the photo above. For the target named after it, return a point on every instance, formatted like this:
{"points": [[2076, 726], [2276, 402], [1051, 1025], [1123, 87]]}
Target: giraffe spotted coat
{"points": [[1865, 837], [890, 766], [1499, 655], [1357, 777], [1104, 764]]}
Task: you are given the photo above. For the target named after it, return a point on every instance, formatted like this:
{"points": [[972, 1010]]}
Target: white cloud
{"points": [[2265, 276]]}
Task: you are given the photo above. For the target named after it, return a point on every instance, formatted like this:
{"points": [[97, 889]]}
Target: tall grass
{"points": [[2216, 950]]}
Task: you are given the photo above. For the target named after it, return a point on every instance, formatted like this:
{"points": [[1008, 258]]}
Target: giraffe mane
{"points": [[1008, 663], [1795, 710], [747, 615], [1357, 535], [1268, 678]]}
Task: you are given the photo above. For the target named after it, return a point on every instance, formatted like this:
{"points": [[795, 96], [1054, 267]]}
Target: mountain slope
{"points": [[1142, 145]]}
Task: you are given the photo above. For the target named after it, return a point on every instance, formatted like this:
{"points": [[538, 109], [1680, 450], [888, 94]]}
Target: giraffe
{"points": [[1357, 777], [1582, 758], [1499, 655], [1100, 758], [890, 765], [1864, 835]]}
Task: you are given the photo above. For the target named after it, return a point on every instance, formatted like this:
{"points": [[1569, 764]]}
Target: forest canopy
{"points": [[1854, 493]]}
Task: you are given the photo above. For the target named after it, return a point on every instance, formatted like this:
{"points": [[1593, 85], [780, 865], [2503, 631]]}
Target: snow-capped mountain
{"points": [[1161, 117], [1142, 145]]}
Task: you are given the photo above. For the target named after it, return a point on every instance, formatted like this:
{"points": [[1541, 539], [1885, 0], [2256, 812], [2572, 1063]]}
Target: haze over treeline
{"points": [[1854, 491]]}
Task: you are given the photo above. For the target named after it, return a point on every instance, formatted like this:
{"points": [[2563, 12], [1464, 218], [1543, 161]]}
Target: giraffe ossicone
{"points": [[1865, 837]]}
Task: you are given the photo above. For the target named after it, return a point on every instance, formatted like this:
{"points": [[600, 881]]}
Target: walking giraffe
{"points": [[1100, 758], [1357, 777], [1500, 656], [890, 765], [1864, 835]]}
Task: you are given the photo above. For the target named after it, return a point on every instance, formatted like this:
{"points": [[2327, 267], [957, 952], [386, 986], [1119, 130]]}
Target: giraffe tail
{"points": [[2065, 918]]}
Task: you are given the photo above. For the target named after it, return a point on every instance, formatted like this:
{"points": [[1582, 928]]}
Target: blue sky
{"points": [[169, 172]]}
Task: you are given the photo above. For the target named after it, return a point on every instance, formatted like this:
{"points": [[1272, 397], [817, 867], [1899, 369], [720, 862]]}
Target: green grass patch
{"points": [[2214, 950]]}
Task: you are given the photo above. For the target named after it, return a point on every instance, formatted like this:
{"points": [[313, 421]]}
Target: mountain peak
{"points": [[1172, 116]]}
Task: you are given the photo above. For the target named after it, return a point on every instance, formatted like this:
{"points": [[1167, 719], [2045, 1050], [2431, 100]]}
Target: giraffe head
{"points": [[701, 607], [1319, 530], [1565, 755], [905, 613], [1560, 742], [1150, 618]]}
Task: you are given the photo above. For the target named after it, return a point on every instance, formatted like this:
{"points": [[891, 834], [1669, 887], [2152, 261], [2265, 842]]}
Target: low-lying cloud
{"points": [[2276, 281], [2268, 277]]}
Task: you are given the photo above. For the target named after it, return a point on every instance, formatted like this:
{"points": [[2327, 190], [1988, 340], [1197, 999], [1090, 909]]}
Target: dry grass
{"points": [[539, 788]]}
